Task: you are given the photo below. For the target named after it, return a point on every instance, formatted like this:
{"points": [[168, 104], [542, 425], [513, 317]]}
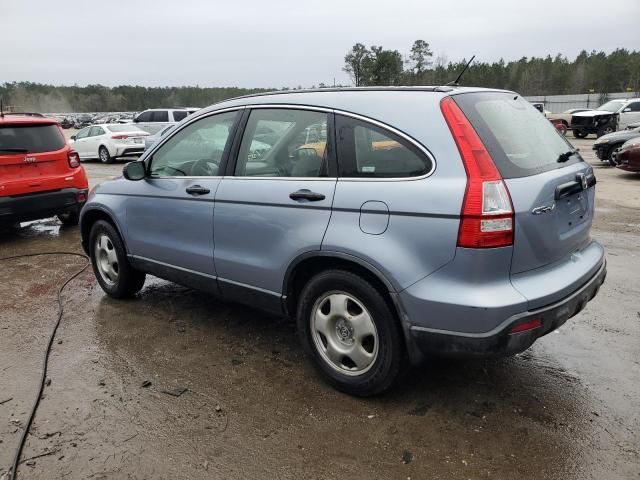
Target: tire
{"points": [[328, 307], [611, 154], [562, 128], [580, 133], [69, 219], [605, 131], [109, 261], [104, 155]]}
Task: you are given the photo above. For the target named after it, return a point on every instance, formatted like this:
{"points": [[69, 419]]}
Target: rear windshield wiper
{"points": [[14, 150], [563, 157]]}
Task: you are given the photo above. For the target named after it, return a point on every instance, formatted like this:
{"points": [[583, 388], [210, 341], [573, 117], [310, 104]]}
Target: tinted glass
{"points": [[284, 143], [196, 150], [365, 150], [144, 117], [33, 138], [634, 107], [160, 116], [177, 115], [520, 140]]}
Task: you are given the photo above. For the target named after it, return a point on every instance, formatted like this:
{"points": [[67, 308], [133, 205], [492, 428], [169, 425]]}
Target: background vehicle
{"points": [[628, 157], [565, 117], [151, 140], [155, 119], [560, 126], [109, 141], [40, 175], [613, 115], [540, 107], [469, 237], [607, 146]]}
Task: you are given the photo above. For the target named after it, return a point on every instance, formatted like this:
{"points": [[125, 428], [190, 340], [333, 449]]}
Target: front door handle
{"points": [[305, 194], [197, 190]]}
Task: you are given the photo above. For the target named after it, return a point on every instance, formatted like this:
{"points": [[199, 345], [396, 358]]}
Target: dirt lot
{"points": [[568, 408]]}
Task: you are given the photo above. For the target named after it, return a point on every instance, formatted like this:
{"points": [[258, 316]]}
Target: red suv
{"points": [[40, 175]]}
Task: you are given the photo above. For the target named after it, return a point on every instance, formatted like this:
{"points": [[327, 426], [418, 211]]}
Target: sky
{"points": [[278, 43]]}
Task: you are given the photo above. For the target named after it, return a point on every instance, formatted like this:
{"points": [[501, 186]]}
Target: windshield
{"points": [[31, 138], [520, 140], [612, 106]]}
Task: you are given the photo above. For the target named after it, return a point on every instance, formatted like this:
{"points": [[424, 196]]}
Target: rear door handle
{"points": [[197, 190], [305, 194]]}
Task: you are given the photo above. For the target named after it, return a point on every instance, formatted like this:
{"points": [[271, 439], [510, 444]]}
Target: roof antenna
{"points": [[456, 82]]}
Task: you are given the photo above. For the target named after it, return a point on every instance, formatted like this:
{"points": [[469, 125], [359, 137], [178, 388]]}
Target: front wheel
{"points": [[350, 333], [104, 155], [109, 261], [605, 131], [580, 133]]}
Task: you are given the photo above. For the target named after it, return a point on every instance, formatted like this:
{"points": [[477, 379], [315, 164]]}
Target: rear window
{"points": [[177, 116], [32, 138], [123, 128], [520, 140]]}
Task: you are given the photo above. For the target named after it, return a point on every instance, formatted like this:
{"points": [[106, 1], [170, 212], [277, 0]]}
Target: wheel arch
{"points": [[309, 264], [89, 217]]}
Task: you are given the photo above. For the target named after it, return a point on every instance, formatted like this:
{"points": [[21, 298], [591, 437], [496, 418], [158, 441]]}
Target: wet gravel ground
{"points": [[174, 384]]}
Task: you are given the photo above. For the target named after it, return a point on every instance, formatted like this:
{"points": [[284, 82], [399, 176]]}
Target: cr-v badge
{"points": [[543, 209]]}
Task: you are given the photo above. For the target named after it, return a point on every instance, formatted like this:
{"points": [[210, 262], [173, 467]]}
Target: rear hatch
{"points": [[551, 187], [33, 158]]}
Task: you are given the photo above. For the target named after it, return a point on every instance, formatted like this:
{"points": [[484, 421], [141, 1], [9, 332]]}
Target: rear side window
{"points": [[520, 140], [177, 115], [366, 150], [32, 138], [160, 116]]}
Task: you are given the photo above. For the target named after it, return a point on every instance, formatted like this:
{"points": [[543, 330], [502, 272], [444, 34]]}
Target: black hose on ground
{"points": [[43, 377]]}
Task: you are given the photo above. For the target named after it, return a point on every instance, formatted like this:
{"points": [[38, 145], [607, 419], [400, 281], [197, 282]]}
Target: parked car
{"points": [[108, 142], [565, 117], [607, 146], [40, 175], [468, 237], [632, 126], [540, 107], [151, 140], [628, 157], [560, 126], [613, 115], [155, 119]]}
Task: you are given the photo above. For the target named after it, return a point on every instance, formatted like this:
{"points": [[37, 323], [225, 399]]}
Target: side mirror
{"points": [[134, 171], [135, 119], [73, 137]]}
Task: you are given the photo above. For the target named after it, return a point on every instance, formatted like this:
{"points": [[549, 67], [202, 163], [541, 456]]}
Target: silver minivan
{"points": [[391, 223]]}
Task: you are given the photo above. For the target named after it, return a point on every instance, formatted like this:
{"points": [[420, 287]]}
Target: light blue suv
{"points": [[391, 223]]}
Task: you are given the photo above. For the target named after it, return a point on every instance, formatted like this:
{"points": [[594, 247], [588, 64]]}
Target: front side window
{"points": [[84, 133], [284, 143], [366, 150], [634, 107], [196, 150]]}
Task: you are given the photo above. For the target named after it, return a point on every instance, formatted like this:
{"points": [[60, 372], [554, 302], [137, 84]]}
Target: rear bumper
{"points": [[129, 150], [33, 206], [500, 341]]}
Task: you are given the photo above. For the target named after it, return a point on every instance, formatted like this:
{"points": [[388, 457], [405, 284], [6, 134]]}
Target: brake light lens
{"points": [[73, 158], [486, 219], [119, 137]]}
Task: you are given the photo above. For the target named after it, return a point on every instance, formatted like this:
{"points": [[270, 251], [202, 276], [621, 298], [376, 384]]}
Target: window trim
{"points": [[230, 172], [148, 159], [230, 159]]}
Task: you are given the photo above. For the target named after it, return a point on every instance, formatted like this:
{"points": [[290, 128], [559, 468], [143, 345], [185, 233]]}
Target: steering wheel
{"points": [[205, 167]]}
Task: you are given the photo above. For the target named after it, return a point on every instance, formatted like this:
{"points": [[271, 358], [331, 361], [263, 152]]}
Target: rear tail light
{"points": [[81, 196], [529, 325], [73, 158], [119, 137], [486, 219]]}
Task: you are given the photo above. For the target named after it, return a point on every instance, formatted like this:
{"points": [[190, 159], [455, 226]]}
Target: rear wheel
{"points": [[69, 218], [109, 261], [579, 133], [104, 155], [350, 333]]}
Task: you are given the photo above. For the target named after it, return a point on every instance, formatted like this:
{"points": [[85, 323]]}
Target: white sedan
{"points": [[108, 141]]}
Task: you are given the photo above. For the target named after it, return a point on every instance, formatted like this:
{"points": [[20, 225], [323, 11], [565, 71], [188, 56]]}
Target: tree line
{"points": [[589, 72]]}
